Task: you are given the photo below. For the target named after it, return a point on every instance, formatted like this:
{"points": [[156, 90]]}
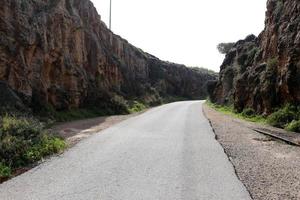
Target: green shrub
{"points": [[26, 128], [24, 141], [272, 63], [171, 99], [76, 114], [136, 106], [293, 126], [224, 48], [47, 146], [17, 134], [278, 9], [287, 117], [252, 53], [283, 116], [248, 112], [4, 171]]}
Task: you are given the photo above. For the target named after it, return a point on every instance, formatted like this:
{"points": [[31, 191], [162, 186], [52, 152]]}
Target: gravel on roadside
{"points": [[269, 168]]}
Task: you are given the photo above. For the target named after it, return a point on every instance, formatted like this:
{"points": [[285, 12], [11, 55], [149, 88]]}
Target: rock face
{"points": [[263, 73], [60, 53], [9, 100]]}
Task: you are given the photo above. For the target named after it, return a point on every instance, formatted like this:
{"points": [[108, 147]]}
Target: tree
{"points": [[224, 48]]}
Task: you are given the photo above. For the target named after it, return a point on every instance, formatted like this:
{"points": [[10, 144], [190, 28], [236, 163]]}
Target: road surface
{"points": [[167, 153]]}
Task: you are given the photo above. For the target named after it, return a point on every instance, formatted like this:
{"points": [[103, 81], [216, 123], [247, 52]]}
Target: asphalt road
{"points": [[167, 153]]}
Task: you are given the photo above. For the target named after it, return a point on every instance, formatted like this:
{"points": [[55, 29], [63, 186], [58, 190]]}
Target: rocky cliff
{"points": [[60, 53], [264, 72]]}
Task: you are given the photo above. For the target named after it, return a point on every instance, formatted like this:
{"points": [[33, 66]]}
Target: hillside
{"points": [[58, 54], [263, 73]]}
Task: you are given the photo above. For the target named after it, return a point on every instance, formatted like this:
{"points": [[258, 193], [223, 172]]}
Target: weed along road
{"points": [[167, 153]]}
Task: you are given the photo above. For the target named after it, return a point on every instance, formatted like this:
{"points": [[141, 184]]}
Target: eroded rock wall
{"points": [[60, 53], [264, 73]]}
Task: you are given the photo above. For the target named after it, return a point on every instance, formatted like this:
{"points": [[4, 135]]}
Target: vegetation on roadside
{"points": [[136, 106], [24, 141], [84, 113], [293, 126], [287, 117], [171, 99], [247, 114], [77, 114], [5, 171], [116, 105]]}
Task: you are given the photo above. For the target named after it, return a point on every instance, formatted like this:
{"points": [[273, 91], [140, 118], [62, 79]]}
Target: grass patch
{"points": [[287, 117], [248, 114], [293, 126], [46, 147], [24, 141], [283, 116], [136, 106], [5, 171], [77, 114]]}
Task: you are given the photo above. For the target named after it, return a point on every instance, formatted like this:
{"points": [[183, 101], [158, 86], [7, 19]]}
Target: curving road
{"points": [[167, 153]]}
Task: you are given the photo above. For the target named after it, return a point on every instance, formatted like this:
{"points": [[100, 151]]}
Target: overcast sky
{"points": [[184, 31]]}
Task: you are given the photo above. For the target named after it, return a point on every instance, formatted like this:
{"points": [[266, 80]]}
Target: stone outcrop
{"points": [[9, 100], [264, 72], [60, 53]]}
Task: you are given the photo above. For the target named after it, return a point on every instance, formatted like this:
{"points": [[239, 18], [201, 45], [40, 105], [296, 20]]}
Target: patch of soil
{"points": [[75, 131]]}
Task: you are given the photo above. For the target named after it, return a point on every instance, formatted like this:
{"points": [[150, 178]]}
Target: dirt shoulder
{"points": [[269, 168], [75, 131]]}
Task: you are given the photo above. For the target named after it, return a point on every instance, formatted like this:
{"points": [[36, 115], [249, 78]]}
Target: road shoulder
{"points": [[75, 131], [269, 168]]}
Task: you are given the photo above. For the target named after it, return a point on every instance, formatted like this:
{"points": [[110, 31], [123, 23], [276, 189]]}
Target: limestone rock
{"points": [[263, 73], [59, 52], [9, 100]]}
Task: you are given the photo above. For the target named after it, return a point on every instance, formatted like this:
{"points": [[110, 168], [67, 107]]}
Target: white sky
{"points": [[184, 31]]}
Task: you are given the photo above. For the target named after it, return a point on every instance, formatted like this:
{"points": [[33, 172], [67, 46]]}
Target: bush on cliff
{"points": [[24, 141], [272, 64], [224, 48], [278, 9]]}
